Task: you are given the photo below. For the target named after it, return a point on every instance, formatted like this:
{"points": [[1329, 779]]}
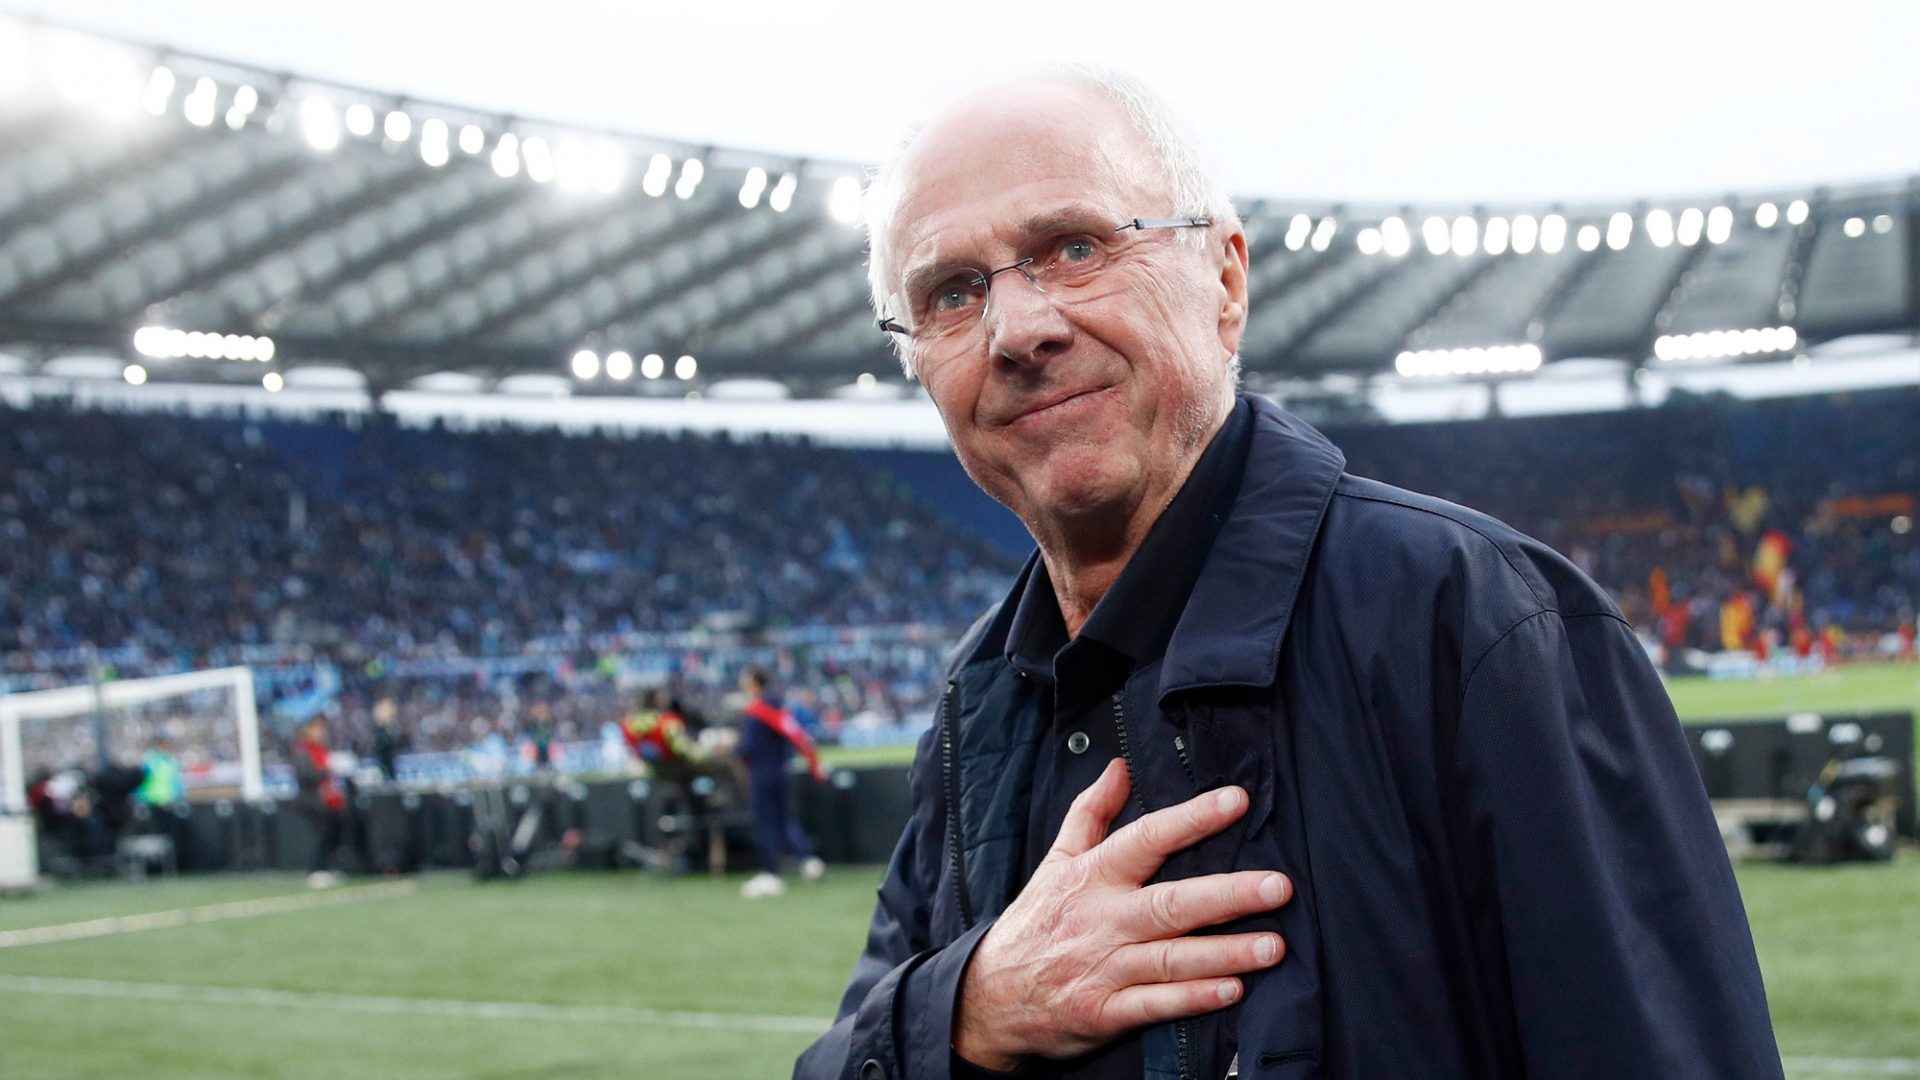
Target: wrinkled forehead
{"points": [[1015, 153]]}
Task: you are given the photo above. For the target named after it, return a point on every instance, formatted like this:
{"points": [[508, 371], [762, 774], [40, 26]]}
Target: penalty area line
{"points": [[446, 1008], [233, 909]]}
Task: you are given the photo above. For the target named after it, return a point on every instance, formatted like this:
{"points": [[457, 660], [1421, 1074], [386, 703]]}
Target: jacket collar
{"points": [[1229, 634]]}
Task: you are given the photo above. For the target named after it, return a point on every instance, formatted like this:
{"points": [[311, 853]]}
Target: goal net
{"points": [[206, 718]]}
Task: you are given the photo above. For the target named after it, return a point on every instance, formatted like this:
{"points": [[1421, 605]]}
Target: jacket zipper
{"points": [[955, 857], [1180, 1027], [1180, 747]]}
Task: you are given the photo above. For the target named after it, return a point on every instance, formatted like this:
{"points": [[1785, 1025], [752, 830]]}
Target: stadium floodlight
{"points": [[1368, 241], [1765, 215], [659, 172], [570, 166], [1797, 212], [1465, 238], [1553, 234], [166, 343], [433, 142], [506, 156], [320, 124], [1323, 233], [201, 102], [1473, 360], [245, 100], [653, 365], [159, 90], [1588, 238], [398, 127], [359, 119], [1724, 344], [1719, 225], [92, 72], [685, 368], [586, 364], [135, 375], [1525, 234], [1619, 230], [691, 172], [754, 186], [538, 157], [472, 139], [273, 382], [1659, 226], [1434, 231], [619, 365], [1299, 229], [1493, 239], [606, 167], [1394, 238], [1692, 221], [1855, 228], [1882, 224], [844, 201], [781, 197]]}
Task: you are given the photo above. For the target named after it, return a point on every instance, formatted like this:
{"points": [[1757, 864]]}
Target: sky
{"points": [[1473, 102]]}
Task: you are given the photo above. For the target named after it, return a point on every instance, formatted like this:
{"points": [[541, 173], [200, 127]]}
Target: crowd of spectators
{"points": [[187, 538], [584, 565], [1798, 513]]}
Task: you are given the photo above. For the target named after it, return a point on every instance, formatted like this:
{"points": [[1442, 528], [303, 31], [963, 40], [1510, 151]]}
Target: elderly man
{"points": [[1261, 769]]}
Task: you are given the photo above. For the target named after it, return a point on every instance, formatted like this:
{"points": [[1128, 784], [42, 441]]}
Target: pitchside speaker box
{"points": [[1781, 758]]}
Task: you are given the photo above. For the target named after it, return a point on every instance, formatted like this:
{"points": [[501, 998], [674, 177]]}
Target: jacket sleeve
{"points": [[896, 1017], [1593, 865]]}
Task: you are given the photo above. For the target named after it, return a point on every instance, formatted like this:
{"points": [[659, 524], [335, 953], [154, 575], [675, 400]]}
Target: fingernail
{"points": [[1266, 950], [1228, 799], [1273, 888], [1228, 990]]}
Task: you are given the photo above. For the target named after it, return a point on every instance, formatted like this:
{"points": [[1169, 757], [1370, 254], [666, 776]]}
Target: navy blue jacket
{"points": [[1504, 860]]}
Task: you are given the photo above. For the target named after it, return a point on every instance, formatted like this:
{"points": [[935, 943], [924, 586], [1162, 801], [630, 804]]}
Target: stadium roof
{"points": [[147, 193]]}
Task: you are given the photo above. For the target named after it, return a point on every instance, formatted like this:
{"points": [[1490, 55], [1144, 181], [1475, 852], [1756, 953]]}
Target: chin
{"points": [[1084, 481]]}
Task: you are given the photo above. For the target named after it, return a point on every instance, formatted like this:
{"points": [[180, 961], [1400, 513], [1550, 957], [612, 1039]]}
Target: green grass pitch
{"points": [[638, 975]]}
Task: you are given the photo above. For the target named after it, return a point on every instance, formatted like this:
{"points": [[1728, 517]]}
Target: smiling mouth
{"points": [[1054, 404]]}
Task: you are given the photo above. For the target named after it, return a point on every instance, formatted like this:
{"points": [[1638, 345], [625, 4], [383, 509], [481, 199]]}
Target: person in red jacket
{"points": [[769, 736], [320, 798]]}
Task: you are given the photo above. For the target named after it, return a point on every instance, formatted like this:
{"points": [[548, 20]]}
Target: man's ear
{"points": [[1231, 256]]}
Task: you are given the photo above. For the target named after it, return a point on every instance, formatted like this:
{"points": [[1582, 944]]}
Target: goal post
{"points": [[77, 703]]}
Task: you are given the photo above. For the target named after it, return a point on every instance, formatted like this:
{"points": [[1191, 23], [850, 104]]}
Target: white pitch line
{"points": [[450, 1008], [234, 909], [1855, 1066]]}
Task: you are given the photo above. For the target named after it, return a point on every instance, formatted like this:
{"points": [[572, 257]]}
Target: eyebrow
{"points": [[1069, 218]]}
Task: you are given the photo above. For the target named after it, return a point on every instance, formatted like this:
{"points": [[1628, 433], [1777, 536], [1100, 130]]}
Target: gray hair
{"points": [[1184, 172]]}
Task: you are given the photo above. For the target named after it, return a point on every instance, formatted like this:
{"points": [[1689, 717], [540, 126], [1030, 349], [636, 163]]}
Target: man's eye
{"points": [[1078, 250], [953, 297]]}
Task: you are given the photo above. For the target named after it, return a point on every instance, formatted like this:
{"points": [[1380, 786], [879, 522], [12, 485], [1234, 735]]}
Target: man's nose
{"points": [[1023, 323]]}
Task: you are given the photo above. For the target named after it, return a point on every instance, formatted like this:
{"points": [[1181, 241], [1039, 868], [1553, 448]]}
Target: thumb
{"points": [[1091, 814]]}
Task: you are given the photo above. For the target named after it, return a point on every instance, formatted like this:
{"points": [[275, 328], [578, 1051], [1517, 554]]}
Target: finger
{"points": [[1093, 810], [1135, 852], [1189, 958], [1172, 908], [1157, 1003]]}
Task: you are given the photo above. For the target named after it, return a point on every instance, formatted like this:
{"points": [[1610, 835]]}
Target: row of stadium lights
{"points": [[102, 76], [169, 343], [1522, 234], [1522, 359], [619, 366]]}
